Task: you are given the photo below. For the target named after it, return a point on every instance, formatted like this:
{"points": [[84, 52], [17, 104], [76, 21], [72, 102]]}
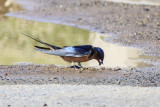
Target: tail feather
{"points": [[51, 52], [51, 46], [42, 48], [44, 51]]}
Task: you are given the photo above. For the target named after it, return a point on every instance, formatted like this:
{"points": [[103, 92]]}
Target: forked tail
{"points": [[50, 46]]}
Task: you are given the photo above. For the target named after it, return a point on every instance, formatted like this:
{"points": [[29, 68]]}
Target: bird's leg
{"points": [[79, 64], [73, 65]]}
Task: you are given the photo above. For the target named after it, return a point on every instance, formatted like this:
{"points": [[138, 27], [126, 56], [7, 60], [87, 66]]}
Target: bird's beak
{"points": [[100, 62]]}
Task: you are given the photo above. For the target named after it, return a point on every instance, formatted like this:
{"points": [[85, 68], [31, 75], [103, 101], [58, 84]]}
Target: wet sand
{"points": [[51, 74]]}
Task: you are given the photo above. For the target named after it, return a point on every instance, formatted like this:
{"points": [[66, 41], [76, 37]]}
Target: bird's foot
{"points": [[76, 67], [79, 64]]}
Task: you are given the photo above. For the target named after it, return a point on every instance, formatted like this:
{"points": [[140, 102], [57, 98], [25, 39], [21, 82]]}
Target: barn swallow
{"points": [[81, 53]]}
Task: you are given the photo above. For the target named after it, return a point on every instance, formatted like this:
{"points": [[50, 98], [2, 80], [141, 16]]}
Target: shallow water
{"points": [[17, 48]]}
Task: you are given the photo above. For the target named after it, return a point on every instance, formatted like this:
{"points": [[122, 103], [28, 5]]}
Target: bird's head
{"points": [[100, 55]]}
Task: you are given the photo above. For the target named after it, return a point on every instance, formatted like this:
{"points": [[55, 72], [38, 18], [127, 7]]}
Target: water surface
{"points": [[16, 48]]}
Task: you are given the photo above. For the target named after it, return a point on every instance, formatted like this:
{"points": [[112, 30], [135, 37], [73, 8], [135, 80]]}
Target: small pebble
{"points": [[45, 104], [117, 69]]}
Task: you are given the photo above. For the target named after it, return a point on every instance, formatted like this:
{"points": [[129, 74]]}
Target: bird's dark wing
{"points": [[81, 50], [50, 46], [83, 47], [73, 51]]}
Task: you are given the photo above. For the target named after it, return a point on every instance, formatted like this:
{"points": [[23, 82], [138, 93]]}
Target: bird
{"points": [[71, 54]]}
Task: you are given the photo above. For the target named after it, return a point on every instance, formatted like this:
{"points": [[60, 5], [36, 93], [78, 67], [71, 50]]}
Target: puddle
{"points": [[138, 2], [15, 47]]}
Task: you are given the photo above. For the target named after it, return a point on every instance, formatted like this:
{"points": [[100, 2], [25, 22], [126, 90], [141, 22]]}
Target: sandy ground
{"points": [[78, 95], [129, 25]]}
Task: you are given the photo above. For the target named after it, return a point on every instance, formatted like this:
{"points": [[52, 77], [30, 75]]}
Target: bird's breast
{"points": [[79, 59], [76, 59]]}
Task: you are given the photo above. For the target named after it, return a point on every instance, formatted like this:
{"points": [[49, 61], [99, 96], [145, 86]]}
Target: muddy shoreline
{"points": [[128, 25], [51, 74]]}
